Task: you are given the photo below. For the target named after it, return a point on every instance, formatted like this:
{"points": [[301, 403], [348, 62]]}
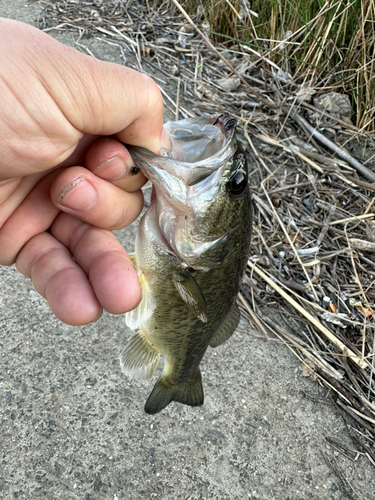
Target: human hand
{"points": [[62, 188]]}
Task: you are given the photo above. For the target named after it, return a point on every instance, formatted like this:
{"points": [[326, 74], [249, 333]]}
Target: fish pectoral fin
{"points": [[191, 294], [137, 317], [227, 328], [139, 358], [189, 393]]}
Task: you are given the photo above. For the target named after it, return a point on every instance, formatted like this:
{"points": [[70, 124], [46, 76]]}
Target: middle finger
{"points": [[104, 260], [80, 193]]}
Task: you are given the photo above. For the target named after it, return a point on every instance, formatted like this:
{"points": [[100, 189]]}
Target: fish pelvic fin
{"points": [[133, 258], [189, 393], [227, 328], [137, 317], [191, 294], [139, 358]]}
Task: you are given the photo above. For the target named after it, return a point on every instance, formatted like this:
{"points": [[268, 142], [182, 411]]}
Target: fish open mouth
{"points": [[200, 146], [195, 140]]}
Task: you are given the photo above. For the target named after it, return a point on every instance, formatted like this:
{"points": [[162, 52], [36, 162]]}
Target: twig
{"points": [[357, 416], [290, 243], [352, 219], [330, 116], [357, 359], [358, 182], [361, 396], [351, 454], [178, 99], [288, 147], [254, 316], [290, 186], [314, 357], [341, 152], [346, 487], [356, 274], [255, 151], [326, 226]]}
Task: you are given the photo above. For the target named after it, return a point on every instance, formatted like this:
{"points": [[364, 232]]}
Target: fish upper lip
{"points": [[226, 121]]}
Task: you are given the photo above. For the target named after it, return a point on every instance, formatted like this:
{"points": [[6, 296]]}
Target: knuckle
{"points": [[155, 98], [118, 219]]}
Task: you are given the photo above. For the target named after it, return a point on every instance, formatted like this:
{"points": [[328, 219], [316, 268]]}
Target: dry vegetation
{"points": [[330, 44], [299, 78]]}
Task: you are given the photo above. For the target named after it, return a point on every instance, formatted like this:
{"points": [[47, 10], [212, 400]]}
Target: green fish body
{"points": [[191, 252]]}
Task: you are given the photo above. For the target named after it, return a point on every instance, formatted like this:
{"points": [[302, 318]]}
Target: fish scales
{"points": [[191, 252]]}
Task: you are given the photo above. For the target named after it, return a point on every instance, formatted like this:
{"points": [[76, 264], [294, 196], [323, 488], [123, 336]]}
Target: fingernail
{"points": [[112, 169], [98, 316], [79, 195]]}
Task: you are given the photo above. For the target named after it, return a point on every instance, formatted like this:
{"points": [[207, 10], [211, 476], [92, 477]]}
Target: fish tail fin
{"points": [[189, 393]]}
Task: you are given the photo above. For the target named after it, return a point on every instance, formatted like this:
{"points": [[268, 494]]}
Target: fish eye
{"points": [[237, 182]]}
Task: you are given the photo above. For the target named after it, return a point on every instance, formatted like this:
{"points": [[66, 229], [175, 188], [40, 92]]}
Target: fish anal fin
{"points": [[189, 393], [137, 317], [191, 294], [139, 358], [227, 328]]}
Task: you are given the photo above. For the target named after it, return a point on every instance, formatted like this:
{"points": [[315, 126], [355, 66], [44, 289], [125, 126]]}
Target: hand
{"points": [[63, 187]]}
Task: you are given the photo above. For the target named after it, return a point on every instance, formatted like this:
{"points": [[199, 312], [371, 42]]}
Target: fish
{"points": [[191, 252]]}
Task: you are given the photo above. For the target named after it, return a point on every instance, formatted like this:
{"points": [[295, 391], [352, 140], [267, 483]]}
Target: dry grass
{"points": [[329, 43]]}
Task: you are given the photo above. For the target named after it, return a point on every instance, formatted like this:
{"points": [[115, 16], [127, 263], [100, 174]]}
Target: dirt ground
{"points": [[73, 427]]}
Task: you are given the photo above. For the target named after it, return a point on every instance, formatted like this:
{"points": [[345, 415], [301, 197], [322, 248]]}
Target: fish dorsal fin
{"points": [[137, 317], [227, 328], [139, 358], [191, 294]]}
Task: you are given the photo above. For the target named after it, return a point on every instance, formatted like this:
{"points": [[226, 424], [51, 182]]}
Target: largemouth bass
{"points": [[191, 252]]}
